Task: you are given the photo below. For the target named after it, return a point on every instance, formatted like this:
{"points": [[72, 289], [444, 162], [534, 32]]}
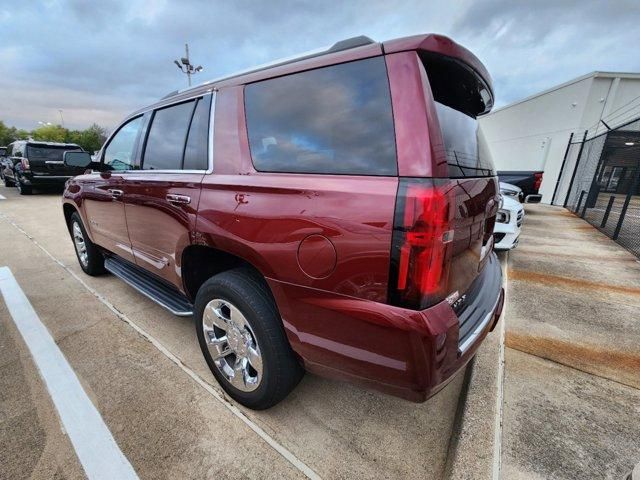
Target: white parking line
{"points": [[282, 450], [98, 452], [2, 197]]}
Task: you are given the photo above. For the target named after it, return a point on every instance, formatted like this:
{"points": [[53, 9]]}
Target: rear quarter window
{"points": [[332, 120]]}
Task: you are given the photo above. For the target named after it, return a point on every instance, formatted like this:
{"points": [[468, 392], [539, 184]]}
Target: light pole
{"points": [[61, 117], [185, 65]]}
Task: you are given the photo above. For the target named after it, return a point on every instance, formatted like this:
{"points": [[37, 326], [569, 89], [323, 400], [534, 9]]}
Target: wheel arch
{"points": [[201, 262]]}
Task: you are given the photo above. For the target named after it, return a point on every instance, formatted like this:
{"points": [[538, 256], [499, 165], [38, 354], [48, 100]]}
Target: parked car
{"points": [[528, 182], [36, 164], [317, 227], [508, 190], [509, 220], [4, 161]]}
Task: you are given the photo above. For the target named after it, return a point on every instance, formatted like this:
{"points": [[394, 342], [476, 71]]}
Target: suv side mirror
{"points": [[76, 159]]}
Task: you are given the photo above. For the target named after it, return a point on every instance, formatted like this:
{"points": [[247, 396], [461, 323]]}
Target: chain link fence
{"points": [[603, 183]]}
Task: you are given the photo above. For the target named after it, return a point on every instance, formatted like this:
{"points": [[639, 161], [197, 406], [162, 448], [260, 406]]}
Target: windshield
{"points": [[48, 152]]}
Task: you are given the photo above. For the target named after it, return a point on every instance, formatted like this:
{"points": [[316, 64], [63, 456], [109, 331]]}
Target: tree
{"points": [[90, 139], [11, 134], [50, 133]]}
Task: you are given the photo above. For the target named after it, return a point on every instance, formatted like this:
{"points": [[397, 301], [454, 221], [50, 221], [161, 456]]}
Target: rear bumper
{"points": [[406, 353], [43, 180]]}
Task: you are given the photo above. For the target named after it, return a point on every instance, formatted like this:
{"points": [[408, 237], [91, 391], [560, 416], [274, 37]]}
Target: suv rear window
{"points": [[464, 143], [332, 120], [460, 96], [48, 152]]}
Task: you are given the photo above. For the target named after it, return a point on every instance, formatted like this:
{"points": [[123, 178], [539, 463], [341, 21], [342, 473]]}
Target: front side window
{"points": [[167, 136], [332, 120], [120, 152]]}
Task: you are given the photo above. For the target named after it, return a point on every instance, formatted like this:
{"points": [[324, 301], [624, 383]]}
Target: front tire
{"points": [[7, 182], [242, 339], [89, 256]]}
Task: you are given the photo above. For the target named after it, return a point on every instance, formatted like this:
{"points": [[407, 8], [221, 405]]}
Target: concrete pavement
{"points": [[572, 362], [168, 424]]}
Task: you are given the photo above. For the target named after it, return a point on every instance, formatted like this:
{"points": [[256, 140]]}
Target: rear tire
{"points": [[244, 343], [7, 182], [23, 189], [89, 255]]}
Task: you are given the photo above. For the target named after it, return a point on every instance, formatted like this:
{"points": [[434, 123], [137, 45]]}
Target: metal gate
{"points": [[603, 183]]}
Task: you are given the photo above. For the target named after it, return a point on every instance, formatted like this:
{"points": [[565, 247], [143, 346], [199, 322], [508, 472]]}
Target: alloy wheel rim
{"points": [[81, 246], [232, 345]]}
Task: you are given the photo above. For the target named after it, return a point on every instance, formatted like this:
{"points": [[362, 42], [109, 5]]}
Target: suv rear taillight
{"points": [[538, 181], [422, 242], [25, 164]]}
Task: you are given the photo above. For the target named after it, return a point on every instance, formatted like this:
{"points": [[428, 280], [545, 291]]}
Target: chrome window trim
{"points": [[209, 169], [212, 116]]}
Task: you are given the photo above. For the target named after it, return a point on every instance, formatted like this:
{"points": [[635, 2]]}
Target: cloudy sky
{"points": [[99, 60]]}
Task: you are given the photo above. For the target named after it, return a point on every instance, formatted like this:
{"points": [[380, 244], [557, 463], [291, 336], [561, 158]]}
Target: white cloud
{"points": [[99, 60]]}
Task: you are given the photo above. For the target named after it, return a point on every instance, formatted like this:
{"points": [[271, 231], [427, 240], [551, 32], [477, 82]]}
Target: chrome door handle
{"points": [[115, 193], [178, 199]]}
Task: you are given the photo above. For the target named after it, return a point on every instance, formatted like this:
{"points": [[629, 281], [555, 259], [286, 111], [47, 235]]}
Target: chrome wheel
{"points": [[81, 247], [232, 345]]}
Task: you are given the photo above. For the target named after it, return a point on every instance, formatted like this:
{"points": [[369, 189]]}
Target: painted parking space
{"points": [[100, 456]]}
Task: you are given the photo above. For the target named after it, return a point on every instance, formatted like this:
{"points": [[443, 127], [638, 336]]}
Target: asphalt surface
{"points": [[143, 370]]}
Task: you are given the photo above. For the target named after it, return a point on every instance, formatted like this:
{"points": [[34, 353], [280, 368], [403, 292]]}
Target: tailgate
{"points": [[474, 220], [47, 160]]}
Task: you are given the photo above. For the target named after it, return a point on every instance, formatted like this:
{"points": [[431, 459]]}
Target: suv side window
{"points": [[18, 150], [196, 152], [167, 136], [332, 120], [120, 152]]}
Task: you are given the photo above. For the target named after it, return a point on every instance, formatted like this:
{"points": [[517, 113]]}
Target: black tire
{"points": [[7, 182], [94, 264], [23, 189], [281, 370]]}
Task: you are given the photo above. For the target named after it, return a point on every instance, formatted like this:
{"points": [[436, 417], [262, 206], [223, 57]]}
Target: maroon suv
{"points": [[332, 213]]}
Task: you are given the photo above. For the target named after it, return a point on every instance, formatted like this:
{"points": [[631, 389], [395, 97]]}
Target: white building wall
{"points": [[532, 134]]}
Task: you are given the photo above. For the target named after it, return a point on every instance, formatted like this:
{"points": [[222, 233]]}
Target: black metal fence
{"points": [[601, 178]]}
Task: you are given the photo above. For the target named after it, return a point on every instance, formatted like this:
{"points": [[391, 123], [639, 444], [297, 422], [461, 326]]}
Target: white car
{"points": [[508, 190], [509, 219]]}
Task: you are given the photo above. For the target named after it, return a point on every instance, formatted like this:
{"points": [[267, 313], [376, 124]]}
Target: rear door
{"points": [[162, 195]]}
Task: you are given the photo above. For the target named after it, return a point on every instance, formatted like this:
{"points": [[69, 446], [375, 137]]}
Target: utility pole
{"points": [[185, 65], [61, 118]]}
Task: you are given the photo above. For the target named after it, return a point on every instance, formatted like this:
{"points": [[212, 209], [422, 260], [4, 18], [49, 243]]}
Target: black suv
{"points": [[37, 164]]}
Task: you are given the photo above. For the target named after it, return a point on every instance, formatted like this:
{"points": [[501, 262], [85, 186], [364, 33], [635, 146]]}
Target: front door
{"points": [[104, 202], [161, 197]]}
